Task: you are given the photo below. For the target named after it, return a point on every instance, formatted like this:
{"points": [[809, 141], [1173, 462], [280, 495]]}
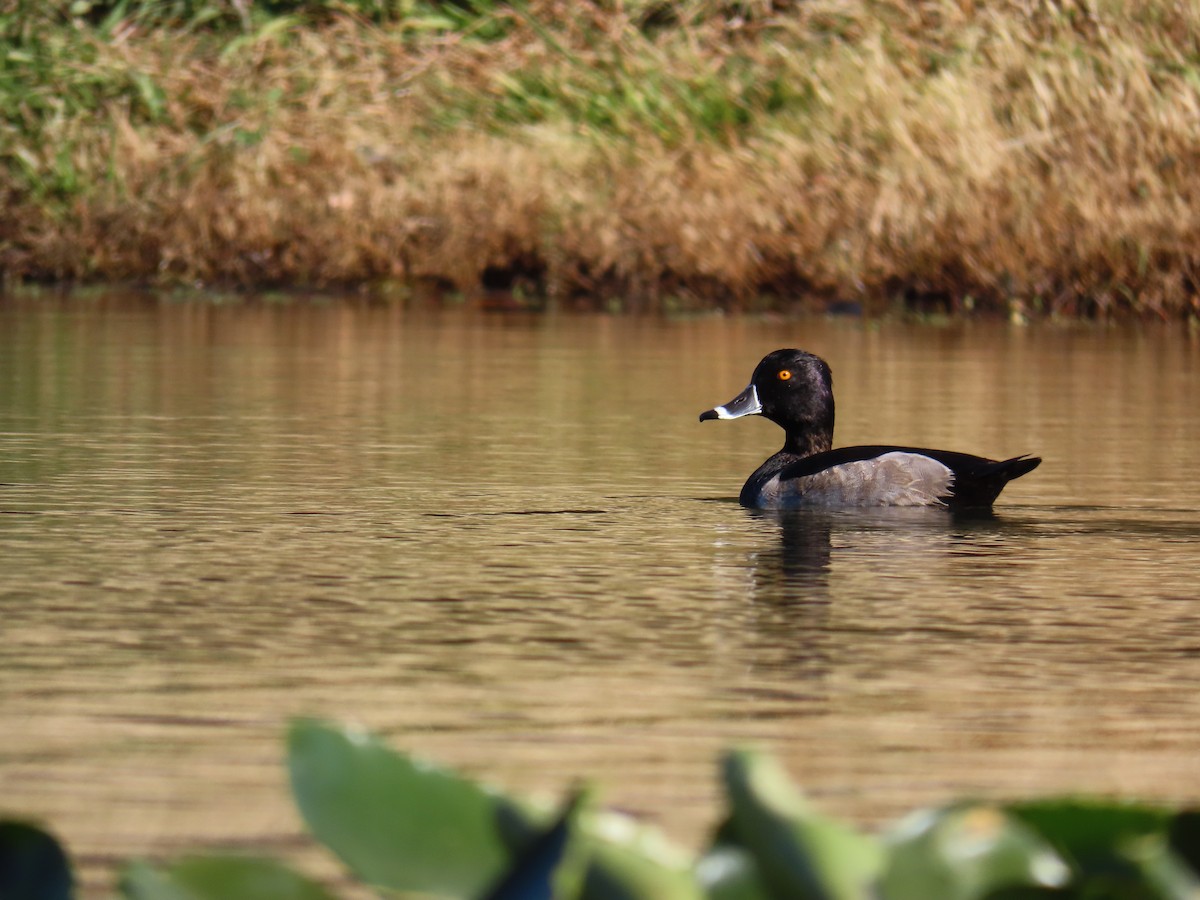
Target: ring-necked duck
{"points": [[794, 390]]}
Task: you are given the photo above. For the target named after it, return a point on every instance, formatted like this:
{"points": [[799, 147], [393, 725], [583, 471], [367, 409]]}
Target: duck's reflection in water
{"points": [[796, 568], [815, 544], [825, 577]]}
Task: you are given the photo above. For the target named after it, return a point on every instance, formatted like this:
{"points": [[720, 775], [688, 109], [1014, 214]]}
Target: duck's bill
{"points": [[744, 404]]}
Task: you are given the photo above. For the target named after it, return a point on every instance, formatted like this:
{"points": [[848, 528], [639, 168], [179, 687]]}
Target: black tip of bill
{"points": [[744, 404]]}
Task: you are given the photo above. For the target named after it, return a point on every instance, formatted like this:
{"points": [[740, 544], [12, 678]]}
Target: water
{"points": [[508, 544]]}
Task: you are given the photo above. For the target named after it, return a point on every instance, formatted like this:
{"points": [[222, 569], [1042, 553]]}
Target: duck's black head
{"points": [[794, 390]]}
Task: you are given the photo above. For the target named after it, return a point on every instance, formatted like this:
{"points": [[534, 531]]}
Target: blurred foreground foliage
{"points": [[404, 826]]}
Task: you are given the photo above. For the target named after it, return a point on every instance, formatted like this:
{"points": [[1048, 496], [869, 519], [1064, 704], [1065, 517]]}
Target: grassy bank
{"points": [[1031, 156]]}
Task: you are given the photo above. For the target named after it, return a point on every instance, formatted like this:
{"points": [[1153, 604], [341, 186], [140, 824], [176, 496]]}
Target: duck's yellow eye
{"points": [[785, 374]]}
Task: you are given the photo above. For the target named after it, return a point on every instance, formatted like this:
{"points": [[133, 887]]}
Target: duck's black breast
{"points": [[881, 476]]}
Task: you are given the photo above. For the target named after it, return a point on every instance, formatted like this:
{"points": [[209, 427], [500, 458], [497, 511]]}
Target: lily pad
{"points": [[219, 878], [799, 853], [628, 860], [395, 821], [729, 872], [537, 872], [33, 865], [968, 852]]}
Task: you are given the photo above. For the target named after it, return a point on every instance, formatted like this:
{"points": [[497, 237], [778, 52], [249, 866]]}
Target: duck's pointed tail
{"points": [[1017, 466], [982, 485]]}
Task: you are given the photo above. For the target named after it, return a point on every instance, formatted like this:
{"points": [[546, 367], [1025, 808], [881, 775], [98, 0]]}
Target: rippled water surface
{"points": [[507, 543]]}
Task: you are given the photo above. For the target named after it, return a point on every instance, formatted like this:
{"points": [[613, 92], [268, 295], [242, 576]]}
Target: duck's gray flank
{"points": [[893, 479]]}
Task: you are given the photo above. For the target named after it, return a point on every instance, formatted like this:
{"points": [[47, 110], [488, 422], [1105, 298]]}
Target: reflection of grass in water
{"points": [[1031, 156]]}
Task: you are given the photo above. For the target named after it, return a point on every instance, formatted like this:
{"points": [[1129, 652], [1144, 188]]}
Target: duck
{"points": [[794, 389]]}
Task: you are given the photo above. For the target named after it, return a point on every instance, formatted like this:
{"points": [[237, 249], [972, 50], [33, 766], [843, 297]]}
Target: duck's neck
{"points": [[812, 432], [808, 442]]}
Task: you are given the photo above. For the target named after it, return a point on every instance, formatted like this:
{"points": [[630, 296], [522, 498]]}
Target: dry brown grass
{"points": [[1028, 155]]}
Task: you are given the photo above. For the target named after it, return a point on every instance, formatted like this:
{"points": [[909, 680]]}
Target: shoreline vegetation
{"points": [[1026, 157]]}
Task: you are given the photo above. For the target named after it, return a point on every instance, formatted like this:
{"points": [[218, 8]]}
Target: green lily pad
{"points": [[1184, 836], [538, 872], [395, 821], [1164, 874], [614, 857], [799, 853], [628, 860], [1091, 835], [33, 865], [1090, 830], [729, 872], [219, 878], [967, 852], [142, 882]]}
